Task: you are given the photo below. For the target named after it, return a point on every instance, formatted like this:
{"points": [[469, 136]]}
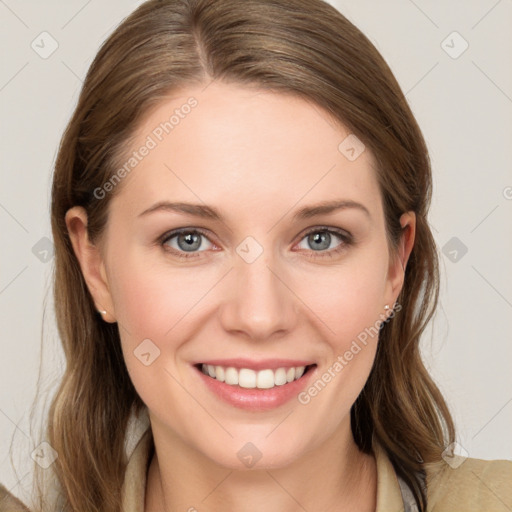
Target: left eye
{"points": [[321, 239]]}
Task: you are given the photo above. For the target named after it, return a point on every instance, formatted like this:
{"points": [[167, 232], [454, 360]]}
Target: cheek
{"points": [[153, 308], [152, 301], [160, 304], [347, 299], [349, 304]]}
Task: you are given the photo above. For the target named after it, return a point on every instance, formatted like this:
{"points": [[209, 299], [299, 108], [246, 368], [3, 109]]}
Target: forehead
{"points": [[229, 144]]}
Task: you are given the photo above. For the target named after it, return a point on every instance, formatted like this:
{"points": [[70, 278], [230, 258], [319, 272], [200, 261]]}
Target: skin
{"points": [[257, 157]]}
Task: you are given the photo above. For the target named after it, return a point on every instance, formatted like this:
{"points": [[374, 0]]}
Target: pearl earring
{"points": [[103, 312]]}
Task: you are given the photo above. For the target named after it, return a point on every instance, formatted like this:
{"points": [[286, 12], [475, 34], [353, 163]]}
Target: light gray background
{"points": [[463, 105]]}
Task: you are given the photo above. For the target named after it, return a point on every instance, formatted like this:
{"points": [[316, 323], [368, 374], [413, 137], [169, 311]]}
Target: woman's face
{"points": [[264, 279]]}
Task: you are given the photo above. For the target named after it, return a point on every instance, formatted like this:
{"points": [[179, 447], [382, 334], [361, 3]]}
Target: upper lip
{"points": [[264, 364]]}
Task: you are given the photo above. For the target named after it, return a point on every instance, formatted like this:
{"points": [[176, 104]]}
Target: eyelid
{"points": [[347, 239], [178, 231], [330, 229]]}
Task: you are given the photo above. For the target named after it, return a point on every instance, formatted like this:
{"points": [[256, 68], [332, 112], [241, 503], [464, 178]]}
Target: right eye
{"points": [[186, 242]]}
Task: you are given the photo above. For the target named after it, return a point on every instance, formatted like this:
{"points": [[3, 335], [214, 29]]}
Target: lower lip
{"points": [[256, 399]]}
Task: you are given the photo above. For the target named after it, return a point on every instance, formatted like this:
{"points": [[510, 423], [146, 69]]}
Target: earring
{"points": [[386, 307], [103, 312]]}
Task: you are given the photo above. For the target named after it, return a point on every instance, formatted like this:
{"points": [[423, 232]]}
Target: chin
{"points": [[256, 452]]}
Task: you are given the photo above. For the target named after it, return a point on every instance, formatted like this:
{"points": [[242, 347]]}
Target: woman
{"points": [[244, 269]]}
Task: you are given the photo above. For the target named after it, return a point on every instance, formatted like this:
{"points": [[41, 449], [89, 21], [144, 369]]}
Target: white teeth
{"points": [[219, 373], [280, 377], [249, 379], [265, 379], [231, 376]]}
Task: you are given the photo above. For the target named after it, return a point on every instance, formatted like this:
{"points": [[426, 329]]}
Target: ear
{"points": [[91, 262], [398, 263]]}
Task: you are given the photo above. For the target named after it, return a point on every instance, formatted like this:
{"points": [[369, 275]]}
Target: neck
{"points": [[334, 477]]}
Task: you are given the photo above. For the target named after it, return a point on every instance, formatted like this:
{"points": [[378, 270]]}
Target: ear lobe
{"points": [[397, 267], [90, 260]]}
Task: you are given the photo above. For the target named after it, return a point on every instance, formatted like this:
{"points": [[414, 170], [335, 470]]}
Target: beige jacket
{"points": [[474, 486]]}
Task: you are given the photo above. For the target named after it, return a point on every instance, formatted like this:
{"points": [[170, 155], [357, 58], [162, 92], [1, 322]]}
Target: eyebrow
{"points": [[209, 212], [326, 207]]}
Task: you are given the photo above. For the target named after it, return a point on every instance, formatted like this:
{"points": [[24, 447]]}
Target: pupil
{"points": [[321, 240], [192, 241]]}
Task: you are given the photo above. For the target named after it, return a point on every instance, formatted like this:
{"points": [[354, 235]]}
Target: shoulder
{"points": [[9, 503], [474, 485]]}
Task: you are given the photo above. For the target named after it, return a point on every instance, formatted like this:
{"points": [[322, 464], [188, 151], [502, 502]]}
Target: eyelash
{"points": [[346, 238]]}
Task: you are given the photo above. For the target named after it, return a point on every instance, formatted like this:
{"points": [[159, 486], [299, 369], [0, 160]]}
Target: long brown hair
{"points": [[303, 47]]}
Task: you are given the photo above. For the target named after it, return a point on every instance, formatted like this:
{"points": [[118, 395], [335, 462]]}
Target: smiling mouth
{"points": [[252, 379]]}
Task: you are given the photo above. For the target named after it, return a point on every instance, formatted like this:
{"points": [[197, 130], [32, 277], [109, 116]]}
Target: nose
{"points": [[259, 303]]}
